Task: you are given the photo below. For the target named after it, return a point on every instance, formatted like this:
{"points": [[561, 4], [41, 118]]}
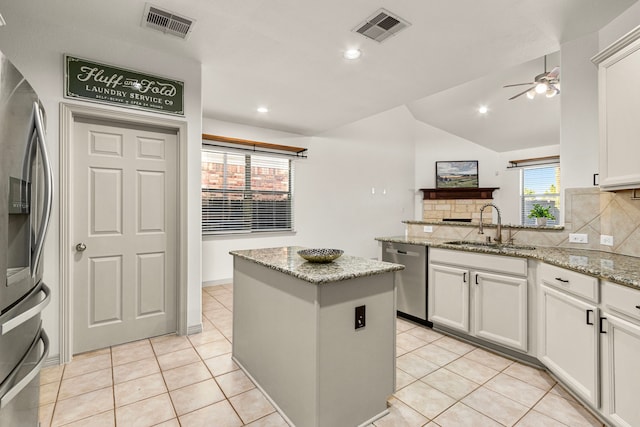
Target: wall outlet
{"points": [[428, 229], [606, 240], [606, 264], [578, 238], [361, 317]]}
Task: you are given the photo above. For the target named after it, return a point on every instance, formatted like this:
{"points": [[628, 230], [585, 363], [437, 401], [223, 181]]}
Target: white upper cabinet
{"points": [[619, 112]]}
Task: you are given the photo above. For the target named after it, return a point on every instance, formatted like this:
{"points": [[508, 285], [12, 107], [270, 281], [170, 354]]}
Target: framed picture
{"points": [[458, 174]]}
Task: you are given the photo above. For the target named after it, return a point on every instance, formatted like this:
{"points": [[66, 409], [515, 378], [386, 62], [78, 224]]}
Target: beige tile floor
{"points": [[191, 381]]}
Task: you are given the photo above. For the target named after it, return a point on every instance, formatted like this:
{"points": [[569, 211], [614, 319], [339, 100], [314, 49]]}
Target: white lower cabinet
{"points": [[620, 340], [500, 309], [449, 297], [620, 371], [568, 341], [588, 332], [491, 305]]}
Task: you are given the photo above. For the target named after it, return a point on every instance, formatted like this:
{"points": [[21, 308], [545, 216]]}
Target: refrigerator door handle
{"points": [[48, 188], [14, 317], [7, 393]]}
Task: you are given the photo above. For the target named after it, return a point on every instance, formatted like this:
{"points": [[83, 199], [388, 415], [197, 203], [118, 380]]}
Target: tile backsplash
{"points": [[587, 211], [595, 213]]}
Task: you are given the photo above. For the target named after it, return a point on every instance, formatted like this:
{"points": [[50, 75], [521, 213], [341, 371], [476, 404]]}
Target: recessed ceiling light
{"points": [[262, 110], [483, 109], [352, 54]]}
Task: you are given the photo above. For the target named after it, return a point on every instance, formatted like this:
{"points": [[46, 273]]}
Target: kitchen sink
{"points": [[499, 246]]}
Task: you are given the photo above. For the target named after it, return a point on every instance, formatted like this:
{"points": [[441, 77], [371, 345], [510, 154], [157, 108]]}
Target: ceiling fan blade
{"points": [[521, 93], [553, 74], [519, 84]]}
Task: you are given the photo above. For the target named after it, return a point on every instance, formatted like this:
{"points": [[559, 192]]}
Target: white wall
{"points": [[334, 204], [579, 113], [434, 144], [620, 26], [37, 49]]}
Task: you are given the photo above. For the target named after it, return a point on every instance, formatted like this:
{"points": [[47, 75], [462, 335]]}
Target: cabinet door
{"points": [[500, 309], [621, 374], [619, 124], [449, 297], [568, 341]]}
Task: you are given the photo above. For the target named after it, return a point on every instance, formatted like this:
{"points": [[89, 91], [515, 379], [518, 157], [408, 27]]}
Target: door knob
{"points": [[80, 247]]}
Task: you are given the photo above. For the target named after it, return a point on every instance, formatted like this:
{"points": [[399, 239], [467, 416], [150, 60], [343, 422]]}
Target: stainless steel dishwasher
{"points": [[411, 283]]}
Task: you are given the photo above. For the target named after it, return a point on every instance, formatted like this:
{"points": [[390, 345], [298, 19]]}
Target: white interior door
{"points": [[124, 233]]}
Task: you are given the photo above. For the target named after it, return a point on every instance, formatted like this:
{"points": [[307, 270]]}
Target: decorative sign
{"points": [[112, 85]]}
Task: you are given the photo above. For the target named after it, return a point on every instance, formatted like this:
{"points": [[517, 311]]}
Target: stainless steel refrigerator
{"points": [[26, 193]]}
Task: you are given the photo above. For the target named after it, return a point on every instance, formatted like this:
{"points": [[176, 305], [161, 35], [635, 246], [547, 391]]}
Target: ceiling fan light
{"points": [[551, 92], [531, 94], [541, 88]]}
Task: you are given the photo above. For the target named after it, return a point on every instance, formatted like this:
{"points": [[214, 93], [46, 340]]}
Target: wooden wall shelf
{"points": [[457, 193], [255, 145]]}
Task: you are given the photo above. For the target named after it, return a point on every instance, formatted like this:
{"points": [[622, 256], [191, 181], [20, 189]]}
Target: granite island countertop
{"points": [[621, 269], [286, 260]]}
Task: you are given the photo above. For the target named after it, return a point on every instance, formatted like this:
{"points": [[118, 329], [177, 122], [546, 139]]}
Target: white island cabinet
{"points": [[295, 335]]}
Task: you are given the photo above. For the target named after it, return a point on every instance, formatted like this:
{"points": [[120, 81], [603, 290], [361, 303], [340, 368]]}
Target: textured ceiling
{"points": [[287, 54]]}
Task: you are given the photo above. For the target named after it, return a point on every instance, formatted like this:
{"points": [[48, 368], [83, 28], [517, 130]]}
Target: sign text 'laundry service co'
{"points": [[97, 82]]}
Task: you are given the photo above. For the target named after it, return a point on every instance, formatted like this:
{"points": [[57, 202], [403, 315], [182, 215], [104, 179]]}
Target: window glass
{"points": [[245, 193], [541, 186]]}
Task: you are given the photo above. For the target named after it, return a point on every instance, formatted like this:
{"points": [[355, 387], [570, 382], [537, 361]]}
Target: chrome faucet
{"points": [[498, 238]]}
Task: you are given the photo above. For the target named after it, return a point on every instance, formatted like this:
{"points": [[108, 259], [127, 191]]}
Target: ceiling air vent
{"points": [[167, 22], [381, 25]]}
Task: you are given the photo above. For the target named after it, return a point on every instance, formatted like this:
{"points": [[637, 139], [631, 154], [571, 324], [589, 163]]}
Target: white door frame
{"points": [[69, 113]]}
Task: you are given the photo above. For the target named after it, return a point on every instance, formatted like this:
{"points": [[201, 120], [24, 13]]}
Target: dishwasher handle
{"points": [[401, 252]]}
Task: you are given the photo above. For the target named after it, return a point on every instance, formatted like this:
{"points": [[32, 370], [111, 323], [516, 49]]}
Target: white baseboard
{"points": [[217, 282], [194, 329], [52, 361]]}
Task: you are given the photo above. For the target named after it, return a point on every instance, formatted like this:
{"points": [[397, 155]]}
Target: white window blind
{"points": [[246, 193], [540, 185]]}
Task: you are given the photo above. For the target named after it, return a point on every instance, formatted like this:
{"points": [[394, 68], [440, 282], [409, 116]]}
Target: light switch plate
{"points": [[578, 238], [427, 229]]}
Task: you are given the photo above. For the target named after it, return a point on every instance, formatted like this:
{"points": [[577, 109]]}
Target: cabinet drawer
{"points": [[575, 283], [621, 299], [495, 263]]}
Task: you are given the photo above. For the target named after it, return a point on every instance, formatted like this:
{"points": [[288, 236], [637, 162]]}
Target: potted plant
{"points": [[541, 214]]}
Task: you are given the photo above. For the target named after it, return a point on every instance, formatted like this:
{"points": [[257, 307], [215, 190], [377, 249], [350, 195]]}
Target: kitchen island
{"points": [[295, 335]]}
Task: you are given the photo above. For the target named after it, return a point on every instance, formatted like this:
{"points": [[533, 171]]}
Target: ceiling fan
{"points": [[547, 83]]}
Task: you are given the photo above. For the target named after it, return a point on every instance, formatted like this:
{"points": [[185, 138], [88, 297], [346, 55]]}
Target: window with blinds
{"points": [[540, 185], [245, 193]]}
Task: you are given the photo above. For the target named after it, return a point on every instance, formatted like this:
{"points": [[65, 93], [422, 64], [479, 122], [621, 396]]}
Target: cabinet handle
{"points": [[638, 307], [601, 330], [588, 312], [560, 279], [464, 277], [477, 280]]}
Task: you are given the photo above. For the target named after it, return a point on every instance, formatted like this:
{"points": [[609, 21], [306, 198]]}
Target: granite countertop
{"points": [[287, 260], [621, 269]]}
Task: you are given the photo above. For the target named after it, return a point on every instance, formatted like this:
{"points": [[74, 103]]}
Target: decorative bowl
{"points": [[320, 255]]}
